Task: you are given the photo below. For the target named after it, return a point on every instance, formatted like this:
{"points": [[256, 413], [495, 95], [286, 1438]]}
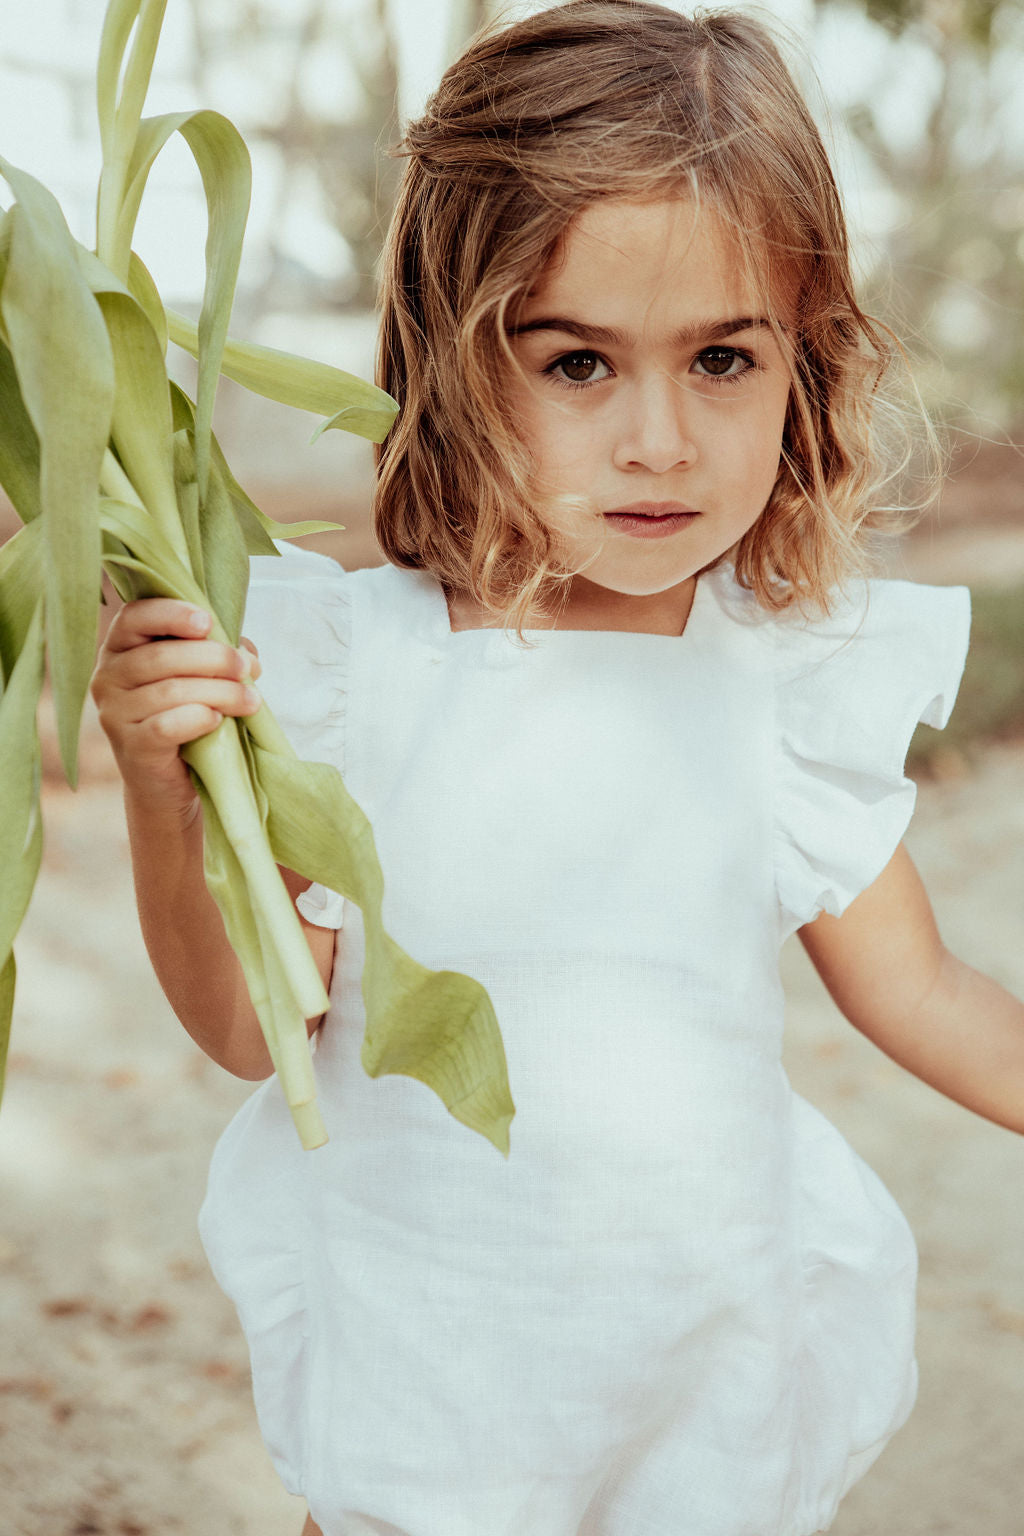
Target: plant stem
{"points": [[219, 762], [116, 484]]}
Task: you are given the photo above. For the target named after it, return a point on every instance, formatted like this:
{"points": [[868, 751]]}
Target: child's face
{"points": [[648, 383]]}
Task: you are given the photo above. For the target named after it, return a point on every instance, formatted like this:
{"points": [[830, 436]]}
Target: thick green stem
{"points": [[116, 484], [266, 733], [289, 989], [288, 1044], [282, 1023], [108, 208], [290, 1051], [219, 762]]}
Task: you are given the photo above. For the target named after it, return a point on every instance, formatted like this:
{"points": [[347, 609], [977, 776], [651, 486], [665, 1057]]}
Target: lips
{"points": [[652, 509], [651, 519]]}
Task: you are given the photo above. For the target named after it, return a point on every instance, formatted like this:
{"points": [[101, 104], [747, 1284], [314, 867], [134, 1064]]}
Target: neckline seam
{"points": [[442, 618]]}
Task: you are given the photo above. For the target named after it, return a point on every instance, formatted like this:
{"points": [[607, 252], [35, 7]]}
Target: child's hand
{"points": [[159, 684]]}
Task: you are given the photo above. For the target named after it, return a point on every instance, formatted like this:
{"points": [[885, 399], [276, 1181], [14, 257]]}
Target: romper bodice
{"points": [[683, 1304]]}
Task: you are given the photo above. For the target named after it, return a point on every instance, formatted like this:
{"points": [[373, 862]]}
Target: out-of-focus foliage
{"points": [[950, 280], [972, 20], [990, 704], [952, 283], [334, 138], [329, 128]]}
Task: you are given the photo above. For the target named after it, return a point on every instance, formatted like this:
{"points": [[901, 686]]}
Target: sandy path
{"points": [[124, 1396]]}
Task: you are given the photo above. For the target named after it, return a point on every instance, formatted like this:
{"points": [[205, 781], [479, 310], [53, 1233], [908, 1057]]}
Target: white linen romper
{"points": [[683, 1306]]}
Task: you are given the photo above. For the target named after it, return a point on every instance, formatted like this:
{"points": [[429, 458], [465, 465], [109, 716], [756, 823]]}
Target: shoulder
{"points": [[850, 688], [294, 567], [877, 636], [887, 654], [872, 616]]}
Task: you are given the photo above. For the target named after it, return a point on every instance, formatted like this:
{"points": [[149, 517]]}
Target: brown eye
{"points": [[577, 367], [717, 360], [723, 363]]}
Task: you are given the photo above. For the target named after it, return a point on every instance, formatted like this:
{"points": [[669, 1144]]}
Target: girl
{"points": [[625, 712]]}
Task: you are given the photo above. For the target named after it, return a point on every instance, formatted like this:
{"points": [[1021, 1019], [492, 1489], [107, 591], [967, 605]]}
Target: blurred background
{"points": [[124, 1392]]}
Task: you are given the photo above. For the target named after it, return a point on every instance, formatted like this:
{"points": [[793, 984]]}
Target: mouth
{"points": [[653, 509], [651, 519]]}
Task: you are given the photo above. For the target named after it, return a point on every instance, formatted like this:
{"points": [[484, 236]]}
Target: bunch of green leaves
{"points": [[112, 467]]}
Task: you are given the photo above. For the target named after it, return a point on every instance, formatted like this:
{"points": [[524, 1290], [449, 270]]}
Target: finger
{"points": [[174, 693], [148, 617], [160, 659], [255, 665], [171, 728]]}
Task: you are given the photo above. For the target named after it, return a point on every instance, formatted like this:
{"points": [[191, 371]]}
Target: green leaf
{"points": [[275, 530], [19, 445], [223, 556], [6, 231], [187, 492], [97, 274], [23, 866], [437, 1026], [299, 382], [258, 530], [223, 160], [22, 586], [120, 111], [21, 833], [142, 417], [355, 419], [117, 29], [141, 425], [63, 361], [144, 289], [8, 979], [151, 554], [140, 287]]}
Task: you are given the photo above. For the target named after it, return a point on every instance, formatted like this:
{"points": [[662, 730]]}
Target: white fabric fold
{"points": [[893, 653], [298, 615]]}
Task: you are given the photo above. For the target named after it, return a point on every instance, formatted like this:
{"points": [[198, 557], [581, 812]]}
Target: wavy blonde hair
{"points": [[618, 98]]}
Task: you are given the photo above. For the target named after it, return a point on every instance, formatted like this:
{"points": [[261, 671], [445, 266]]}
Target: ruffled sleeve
{"points": [[297, 615], [850, 690]]}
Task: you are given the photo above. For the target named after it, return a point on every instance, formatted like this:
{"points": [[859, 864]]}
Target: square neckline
{"points": [[698, 608]]}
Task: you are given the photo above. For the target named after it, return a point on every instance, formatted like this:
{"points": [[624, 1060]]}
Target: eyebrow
{"points": [[607, 336]]}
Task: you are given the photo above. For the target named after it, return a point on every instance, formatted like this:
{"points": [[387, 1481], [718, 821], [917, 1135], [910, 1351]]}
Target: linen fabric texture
{"points": [[683, 1306]]}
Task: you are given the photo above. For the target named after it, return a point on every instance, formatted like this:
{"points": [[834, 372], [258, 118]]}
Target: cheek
{"points": [[763, 432], [744, 454], [563, 443]]}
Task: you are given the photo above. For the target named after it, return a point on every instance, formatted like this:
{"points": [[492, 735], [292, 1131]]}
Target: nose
{"points": [[656, 431]]}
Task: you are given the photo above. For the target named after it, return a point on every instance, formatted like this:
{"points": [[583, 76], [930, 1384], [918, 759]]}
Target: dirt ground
{"points": [[124, 1391]]}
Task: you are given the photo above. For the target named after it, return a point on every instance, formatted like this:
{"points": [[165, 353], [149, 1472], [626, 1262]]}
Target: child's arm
{"points": [[891, 975], [159, 684]]}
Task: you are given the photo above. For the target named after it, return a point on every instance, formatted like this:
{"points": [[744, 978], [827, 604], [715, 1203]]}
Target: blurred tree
{"points": [[336, 156], [466, 17], [957, 249], [329, 143], [969, 19]]}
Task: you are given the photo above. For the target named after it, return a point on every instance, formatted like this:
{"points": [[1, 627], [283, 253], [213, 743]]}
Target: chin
{"points": [[649, 586]]}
